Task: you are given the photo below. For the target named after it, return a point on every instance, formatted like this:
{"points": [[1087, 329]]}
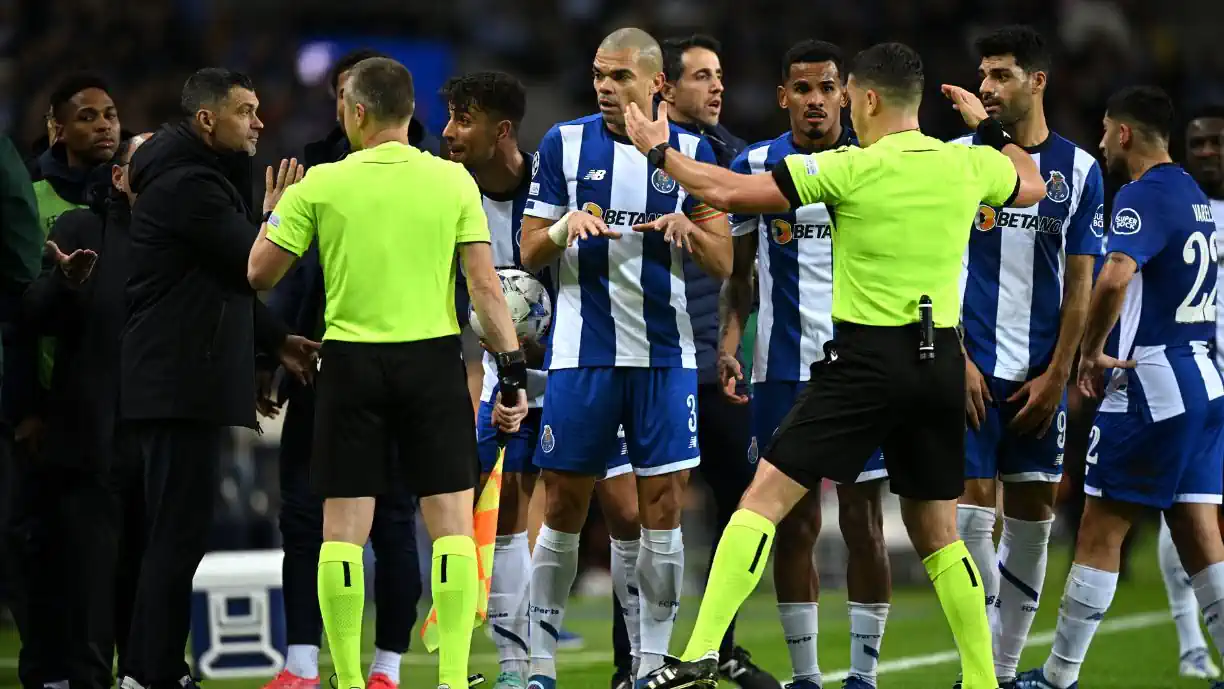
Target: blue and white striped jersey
{"points": [[1217, 212], [1164, 222], [620, 302], [505, 216], [1016, 261], [795, 272]]}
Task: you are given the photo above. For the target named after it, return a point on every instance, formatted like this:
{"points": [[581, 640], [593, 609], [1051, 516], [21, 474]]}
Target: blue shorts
{"points": [[1158, 463], [993, 451], [520, 447], [771, 401], [584, 407]]}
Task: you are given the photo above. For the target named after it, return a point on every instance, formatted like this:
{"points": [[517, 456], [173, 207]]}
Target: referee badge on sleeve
{"points": [[547, 442]]}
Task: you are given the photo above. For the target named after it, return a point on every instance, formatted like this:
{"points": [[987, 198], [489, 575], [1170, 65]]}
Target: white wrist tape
{"points": [[559, 232]]}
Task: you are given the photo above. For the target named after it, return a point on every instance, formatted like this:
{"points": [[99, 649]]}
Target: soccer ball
{"points": [[529, 304]]}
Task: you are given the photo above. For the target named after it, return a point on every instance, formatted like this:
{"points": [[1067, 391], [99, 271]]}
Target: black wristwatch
{"points": [[266, 216], [657, 154], [511, 373], [990, 132]]}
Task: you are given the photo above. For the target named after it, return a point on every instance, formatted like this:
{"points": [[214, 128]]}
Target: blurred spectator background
{"points": [[146, 48]]}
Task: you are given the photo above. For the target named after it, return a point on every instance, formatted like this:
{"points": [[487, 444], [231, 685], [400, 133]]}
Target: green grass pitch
{"points": [[1137, 648]]}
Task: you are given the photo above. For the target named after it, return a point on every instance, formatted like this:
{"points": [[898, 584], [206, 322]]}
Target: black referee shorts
{"points": [[393, 412], [871, 391]]}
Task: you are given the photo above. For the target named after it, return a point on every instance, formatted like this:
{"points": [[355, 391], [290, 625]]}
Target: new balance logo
{"points": [[693, 442], [595, 175]]}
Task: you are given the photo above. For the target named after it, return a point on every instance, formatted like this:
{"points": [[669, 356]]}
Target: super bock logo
{"points": [[1057, 189], [662, 182]]}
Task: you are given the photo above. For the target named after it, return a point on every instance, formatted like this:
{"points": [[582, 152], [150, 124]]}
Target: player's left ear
{"points": [[844, 101], [1039, 81], [659, 85], [504, 129]]}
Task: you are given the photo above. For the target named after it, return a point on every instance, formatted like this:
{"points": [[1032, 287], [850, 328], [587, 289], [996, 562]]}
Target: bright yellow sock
{"points": [[739, 561], [341, 599], [456, 583], [959, 587]]}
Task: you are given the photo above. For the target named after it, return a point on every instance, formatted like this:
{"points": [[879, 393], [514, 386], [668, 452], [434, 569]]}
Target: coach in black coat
{"points": [[188, 350]]}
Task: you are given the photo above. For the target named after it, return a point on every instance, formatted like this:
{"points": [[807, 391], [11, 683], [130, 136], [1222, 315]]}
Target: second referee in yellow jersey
{"points": [[893, 375]]}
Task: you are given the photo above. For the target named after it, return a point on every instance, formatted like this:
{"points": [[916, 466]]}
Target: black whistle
{"points": [[926, 327]]}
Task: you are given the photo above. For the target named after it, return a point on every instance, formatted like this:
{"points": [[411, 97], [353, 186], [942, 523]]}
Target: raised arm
{"points": [[721, 188]]}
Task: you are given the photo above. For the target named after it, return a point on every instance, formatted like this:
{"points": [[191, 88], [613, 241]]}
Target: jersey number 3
{"points": [[1199, 249]]}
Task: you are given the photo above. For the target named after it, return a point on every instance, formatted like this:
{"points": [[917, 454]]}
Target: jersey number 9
{"points": [[1199, 249]]}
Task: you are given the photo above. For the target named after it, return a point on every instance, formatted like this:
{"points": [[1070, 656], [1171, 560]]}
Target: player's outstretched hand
{"points": [[298, 356], [583, 225], [276, 182], [76, 266], [729, 374], [645, 132], [676, 228], [507, 419], [1092, 372], [968, 105]]}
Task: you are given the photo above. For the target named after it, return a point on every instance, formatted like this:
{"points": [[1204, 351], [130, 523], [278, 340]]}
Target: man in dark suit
{"points": [[187, 353]]}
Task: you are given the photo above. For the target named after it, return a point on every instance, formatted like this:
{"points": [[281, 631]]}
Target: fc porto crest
{"points": [[753, 452], [662, 182], [1057, 189], [547, 442]]}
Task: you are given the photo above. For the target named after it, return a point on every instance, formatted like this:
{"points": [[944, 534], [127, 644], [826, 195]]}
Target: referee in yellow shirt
{"points": [[392, 401], [894, 374]]}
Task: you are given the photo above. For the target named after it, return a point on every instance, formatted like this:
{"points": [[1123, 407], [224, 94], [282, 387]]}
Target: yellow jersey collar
{"points": [[386, 152]]}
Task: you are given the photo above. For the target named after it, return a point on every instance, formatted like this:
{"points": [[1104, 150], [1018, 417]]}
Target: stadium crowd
{"points": [[685, 279]]}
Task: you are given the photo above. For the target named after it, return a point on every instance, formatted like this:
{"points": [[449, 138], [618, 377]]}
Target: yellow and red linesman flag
{"points": [[485, 529]]}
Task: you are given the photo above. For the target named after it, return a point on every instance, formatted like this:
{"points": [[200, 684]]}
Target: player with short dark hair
{"points": [[793, 254], [1158, 440], [486, 110], [893, 375], [1027, 283], [1204, 140], [390, 221], [621, 350]]}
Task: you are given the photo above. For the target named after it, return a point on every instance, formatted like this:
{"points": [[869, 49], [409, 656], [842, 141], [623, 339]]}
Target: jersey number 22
{"points": [[1199, 249]]}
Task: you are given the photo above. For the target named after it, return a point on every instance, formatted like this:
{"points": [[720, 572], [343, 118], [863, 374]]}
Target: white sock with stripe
{"points": [[554, 564], [866, 635], [1086, 598], [1182, 605], [660, 574], [1022, 571], [508, 601]]}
